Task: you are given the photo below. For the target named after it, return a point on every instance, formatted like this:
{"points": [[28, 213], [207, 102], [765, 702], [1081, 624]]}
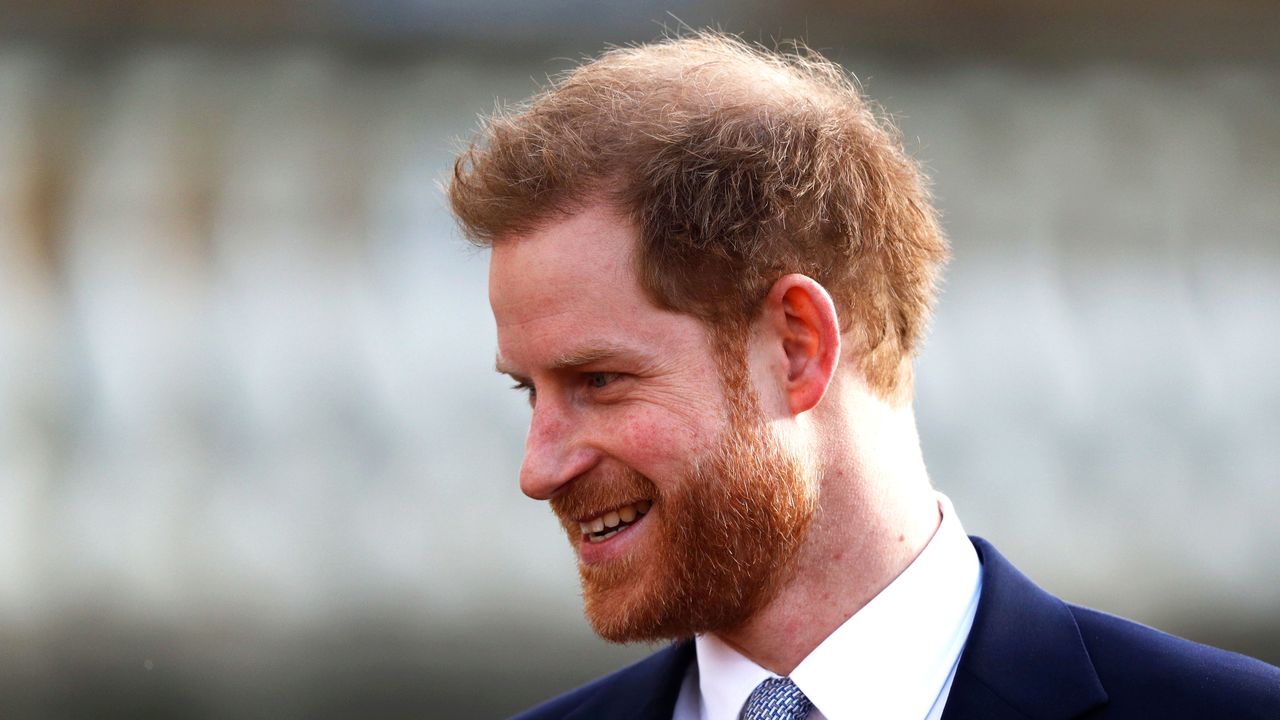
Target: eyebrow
{"points": [[574, 358]]}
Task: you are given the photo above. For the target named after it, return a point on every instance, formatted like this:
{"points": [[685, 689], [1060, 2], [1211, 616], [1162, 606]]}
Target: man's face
{"points": [[683, 509]]}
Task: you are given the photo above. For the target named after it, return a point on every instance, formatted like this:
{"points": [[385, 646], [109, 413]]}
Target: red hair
{"points": [[737, 165]]}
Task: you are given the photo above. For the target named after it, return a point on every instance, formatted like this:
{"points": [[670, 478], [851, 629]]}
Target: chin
{"points": [[718, 546]]}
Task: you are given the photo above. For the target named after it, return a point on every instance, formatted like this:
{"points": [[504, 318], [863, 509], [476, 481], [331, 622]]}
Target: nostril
{"points": [[544, 473], [557, 449], [537, 478], [543, 451]]}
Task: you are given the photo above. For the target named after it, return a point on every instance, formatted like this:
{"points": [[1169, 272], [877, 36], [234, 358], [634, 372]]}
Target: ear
{"points": [[801, 318]]}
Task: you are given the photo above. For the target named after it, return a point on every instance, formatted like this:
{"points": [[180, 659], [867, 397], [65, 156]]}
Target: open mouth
{"points": [[605, 526]]}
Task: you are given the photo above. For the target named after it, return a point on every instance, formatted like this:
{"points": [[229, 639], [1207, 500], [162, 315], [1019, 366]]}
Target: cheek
{"points": [[645, 438], [654, 442]]}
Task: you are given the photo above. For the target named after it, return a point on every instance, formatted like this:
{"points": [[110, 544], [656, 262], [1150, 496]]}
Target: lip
{"points": [[601, 552], [602, 513]]}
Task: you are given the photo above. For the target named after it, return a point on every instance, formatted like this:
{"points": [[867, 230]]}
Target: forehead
{"points": [[536, 267], [571, 286]]}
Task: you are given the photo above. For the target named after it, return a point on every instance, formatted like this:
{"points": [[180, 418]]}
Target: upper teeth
{"points": [[615, 518]]}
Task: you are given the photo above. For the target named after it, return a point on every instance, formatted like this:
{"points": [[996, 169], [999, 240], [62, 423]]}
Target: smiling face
{"points": [[682, 507]]}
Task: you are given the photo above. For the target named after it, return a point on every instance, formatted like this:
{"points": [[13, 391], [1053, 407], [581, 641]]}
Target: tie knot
{"points": [[776, 699]]}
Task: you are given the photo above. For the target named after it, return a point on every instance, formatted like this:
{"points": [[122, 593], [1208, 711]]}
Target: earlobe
{"points": [[805, 320]]}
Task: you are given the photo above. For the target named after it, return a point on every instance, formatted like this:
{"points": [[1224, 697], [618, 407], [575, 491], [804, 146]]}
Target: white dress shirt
{"points": [[893, 660]]}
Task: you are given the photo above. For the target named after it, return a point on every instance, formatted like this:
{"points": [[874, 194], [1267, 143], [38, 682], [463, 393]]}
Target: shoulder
{"points": [[653, 682], [1154, 674], [1031, 655], [562, 705]]}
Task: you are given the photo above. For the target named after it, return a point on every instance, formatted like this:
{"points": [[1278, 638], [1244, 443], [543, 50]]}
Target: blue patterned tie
{"points": [[776, 699]]}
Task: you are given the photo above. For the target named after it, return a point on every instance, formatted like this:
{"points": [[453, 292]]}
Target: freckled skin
{"points": [[623, 387], [630, 404], [570, 287]]}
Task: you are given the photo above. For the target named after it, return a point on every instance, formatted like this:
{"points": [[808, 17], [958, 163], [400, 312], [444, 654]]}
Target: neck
{"points": [[877, 511]]}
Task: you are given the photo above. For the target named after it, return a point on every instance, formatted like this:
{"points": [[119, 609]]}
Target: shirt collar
{"points": [[890, 660], [725, 678]]}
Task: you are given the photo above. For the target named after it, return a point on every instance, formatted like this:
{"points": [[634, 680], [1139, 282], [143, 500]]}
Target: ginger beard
{"points": [[724, 538]]}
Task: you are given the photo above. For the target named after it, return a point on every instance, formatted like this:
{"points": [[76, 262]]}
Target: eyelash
{"points": [[589, 379], [592, 376], [527, 389]]}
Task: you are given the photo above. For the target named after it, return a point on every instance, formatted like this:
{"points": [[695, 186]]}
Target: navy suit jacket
{"points": [[1029, 656]]}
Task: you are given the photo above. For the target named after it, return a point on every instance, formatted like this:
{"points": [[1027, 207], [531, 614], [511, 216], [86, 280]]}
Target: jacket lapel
{"points": [[1024, 657], [645, 691]]}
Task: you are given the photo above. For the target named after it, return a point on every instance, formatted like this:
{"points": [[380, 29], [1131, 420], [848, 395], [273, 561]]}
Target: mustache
{"points": [[600, 492]]}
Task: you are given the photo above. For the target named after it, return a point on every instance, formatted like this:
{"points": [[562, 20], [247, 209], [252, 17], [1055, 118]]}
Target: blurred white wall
{"points": [[246, 386]]}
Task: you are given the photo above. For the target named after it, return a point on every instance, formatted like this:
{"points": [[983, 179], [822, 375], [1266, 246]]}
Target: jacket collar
{"points": [[1024, 657], [645, 691]]}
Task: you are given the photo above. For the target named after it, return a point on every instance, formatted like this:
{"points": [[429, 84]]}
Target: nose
{"points": [[554, 453]]}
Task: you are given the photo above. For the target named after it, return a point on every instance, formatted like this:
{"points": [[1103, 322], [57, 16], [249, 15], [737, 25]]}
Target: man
{"points": [[711, 268]]}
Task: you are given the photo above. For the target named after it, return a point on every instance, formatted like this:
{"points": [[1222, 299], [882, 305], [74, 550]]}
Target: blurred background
{"points": [[254, 461]]}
